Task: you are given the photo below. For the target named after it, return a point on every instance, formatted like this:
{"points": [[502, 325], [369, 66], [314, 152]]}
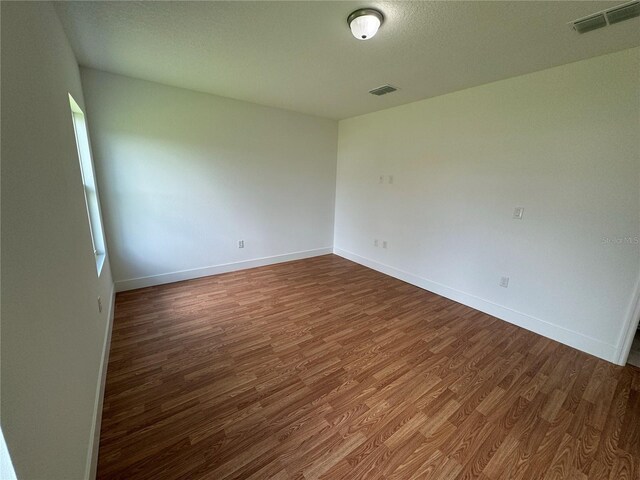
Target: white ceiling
{"points": [[301, 55]]}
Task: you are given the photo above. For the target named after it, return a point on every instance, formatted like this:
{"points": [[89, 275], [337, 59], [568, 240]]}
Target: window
{"points": [[89, 182]]}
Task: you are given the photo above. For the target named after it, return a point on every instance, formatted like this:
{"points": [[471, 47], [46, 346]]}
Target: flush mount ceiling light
{"points": [[364, 23]]}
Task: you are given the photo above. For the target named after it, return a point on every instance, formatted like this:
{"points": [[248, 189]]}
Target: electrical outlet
{"points": [[517, 213], [375, 242], [504, 282], [381, 179], [100, 304], [240, 243], [384, 244]]}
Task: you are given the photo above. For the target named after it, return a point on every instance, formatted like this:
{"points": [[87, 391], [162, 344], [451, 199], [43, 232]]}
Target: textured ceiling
{"points": [[301, 55]]}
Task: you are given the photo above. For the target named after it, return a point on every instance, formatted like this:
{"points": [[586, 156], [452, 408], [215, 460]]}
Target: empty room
{"points": [[320, 240]]}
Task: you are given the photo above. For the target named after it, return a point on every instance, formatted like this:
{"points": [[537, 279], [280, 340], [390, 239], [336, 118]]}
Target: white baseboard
{"points": [[550, 330], [171, 277], [92, 461]]}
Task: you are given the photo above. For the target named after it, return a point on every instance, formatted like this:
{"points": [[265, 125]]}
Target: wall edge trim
{"points": [[94, 439], [630, 325]]}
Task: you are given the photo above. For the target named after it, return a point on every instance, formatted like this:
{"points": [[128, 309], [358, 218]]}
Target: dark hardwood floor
{"points": [[322, 368]]}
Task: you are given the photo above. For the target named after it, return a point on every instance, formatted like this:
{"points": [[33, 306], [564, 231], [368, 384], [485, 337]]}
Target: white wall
{"points": [[52, 333], [185, 175], [562, 143]]}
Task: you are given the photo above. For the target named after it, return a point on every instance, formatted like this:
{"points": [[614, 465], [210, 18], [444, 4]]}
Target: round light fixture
{"points": [[364, 23]]}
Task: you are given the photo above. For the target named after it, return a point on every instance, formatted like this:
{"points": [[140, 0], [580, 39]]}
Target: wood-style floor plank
{"points": [[324, 369]]}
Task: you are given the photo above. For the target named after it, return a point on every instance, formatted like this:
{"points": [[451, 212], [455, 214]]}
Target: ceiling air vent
{"points": [[607, 17], [591, 23], [383, 90], [623, 12]]}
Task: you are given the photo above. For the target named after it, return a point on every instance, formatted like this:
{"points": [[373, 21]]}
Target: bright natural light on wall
{"points": [[89, 183]]}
